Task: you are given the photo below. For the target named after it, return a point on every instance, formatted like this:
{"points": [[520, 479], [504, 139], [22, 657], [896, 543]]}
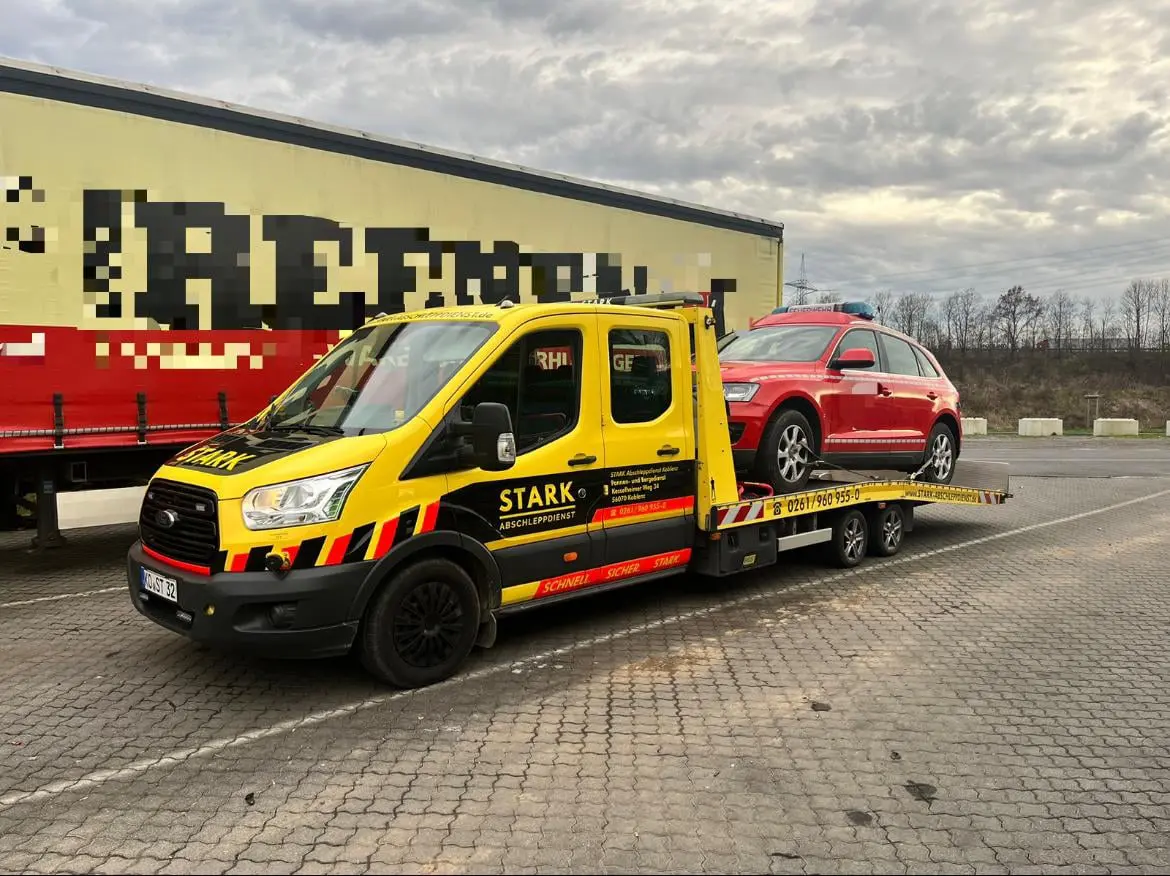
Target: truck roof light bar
{"points": [[658, 299]]}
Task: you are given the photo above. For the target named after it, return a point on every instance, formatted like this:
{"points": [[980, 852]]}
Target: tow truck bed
{"points": [[751, 532], [974, 483]]}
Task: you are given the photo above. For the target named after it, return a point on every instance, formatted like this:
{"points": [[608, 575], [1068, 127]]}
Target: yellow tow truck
{"points": [[440, 468]]}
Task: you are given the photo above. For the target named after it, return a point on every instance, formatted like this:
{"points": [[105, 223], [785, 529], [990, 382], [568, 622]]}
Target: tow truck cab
{"points": [[438, 468]]}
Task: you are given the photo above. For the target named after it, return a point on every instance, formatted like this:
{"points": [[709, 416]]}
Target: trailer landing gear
{"points": [[48, 525]]}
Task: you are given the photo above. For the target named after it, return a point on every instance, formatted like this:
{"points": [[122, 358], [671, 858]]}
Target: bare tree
{"points": [[1107, 323], [1088, 322], [883, 303], [1059, 315], [911, 315], [959, 313], [1136, 303], [1016, 314], [1162, 314]]}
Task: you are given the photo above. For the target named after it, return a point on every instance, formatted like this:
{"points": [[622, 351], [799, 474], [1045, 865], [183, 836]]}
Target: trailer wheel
{"points": [[850, 537], [887, 527], [421, 625]]}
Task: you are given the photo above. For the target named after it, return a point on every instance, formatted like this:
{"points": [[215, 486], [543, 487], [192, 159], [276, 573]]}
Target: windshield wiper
{"points": [[312, 428]]}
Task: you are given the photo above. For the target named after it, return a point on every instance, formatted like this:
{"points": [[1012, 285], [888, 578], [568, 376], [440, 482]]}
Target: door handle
{"points": [[582, 459], [667, 450], [932, 395], [883, 389]]}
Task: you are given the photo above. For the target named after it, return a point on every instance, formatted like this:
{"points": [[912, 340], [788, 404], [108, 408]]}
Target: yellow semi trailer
{"points": [[169, 263]]}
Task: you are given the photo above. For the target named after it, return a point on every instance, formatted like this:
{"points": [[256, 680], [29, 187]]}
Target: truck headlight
{"points": [[317, 499], [740, 392]]}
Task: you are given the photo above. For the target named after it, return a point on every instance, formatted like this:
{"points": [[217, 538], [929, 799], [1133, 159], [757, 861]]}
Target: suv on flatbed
{"points": [[827, 384]]}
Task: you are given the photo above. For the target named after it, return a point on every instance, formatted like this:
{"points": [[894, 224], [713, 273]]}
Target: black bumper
{"points": [[246, 612]]}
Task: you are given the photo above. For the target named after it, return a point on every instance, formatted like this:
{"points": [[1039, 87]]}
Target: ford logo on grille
{"points": [[166, 519]]}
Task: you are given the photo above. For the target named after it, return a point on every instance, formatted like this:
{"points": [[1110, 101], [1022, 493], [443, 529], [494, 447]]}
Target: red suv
{"points": [[827, 383]]}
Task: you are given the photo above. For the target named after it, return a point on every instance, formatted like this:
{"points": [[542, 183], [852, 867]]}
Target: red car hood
{"points": [[736, 372]]}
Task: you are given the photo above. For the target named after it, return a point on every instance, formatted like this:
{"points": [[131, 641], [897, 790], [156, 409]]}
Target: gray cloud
{"points": [[898, 140]]}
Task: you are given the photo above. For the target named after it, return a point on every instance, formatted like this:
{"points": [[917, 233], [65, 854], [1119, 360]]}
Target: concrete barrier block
{"points": [[978, 425], [1041, 426], [99, 507], [1114, 426]]}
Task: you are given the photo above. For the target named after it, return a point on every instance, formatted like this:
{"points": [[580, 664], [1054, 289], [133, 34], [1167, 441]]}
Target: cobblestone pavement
{"points": [[992, 700]]}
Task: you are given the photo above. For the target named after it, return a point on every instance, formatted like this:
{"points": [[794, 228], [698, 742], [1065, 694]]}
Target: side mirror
{"points": [[492, 439], [858, 357]]}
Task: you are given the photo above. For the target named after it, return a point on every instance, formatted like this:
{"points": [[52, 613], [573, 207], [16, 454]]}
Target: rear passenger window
{"points": [[539, 379], [924, 364], [900, 358], [639, 375]]}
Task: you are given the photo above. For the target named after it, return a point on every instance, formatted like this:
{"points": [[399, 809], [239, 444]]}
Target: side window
{"points": [[900, 358], [863, 338], [924, 364], [639, 375], [539, 379]]}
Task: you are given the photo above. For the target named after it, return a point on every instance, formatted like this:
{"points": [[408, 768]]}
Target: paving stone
{"points": [[1019, 682]]}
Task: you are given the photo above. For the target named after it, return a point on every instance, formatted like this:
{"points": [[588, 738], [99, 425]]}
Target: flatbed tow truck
{"points": [[441, 468]]}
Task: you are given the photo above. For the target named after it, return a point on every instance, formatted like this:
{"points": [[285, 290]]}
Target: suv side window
{"points": [[927, 369], [863, 338], [639, 375], [900, 358], [539, 379]]}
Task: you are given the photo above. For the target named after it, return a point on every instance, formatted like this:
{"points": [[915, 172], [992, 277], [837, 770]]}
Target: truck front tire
{"points": [[421, 625]]}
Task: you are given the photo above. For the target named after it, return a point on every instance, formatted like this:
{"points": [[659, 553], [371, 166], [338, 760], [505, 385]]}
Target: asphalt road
{"points": [[1075, 457], [991, 700]]}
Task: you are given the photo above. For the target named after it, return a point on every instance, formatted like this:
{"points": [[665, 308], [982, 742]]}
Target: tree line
{"points": [[1016, 320]]}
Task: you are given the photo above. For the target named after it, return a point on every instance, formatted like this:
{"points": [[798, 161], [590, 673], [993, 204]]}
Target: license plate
{"points": [[160, 585]]}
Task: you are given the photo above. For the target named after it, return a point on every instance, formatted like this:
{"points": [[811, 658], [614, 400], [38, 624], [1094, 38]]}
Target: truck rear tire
{"points": [[421, 625], [850, 540], [785, 456], [887, 528]]}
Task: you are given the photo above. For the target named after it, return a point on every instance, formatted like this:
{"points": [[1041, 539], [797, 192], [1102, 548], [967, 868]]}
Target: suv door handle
{"points": [[932, 395], [883, 389], [667, 450], [582, 459]]}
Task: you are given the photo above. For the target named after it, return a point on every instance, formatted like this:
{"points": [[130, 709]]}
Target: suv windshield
{"points": [[779, 343], [379, 377]]}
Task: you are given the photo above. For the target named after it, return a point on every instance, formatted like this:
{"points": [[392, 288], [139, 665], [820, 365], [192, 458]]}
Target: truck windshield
{"points": [[379, 377], [779, 343]]}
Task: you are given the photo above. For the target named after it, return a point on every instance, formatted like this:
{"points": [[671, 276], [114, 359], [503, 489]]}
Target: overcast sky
{"points": [[904, 143]]}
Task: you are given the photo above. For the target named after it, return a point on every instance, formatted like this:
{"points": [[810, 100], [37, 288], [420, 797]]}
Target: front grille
{"points": [[194, 537], [736, 430]]}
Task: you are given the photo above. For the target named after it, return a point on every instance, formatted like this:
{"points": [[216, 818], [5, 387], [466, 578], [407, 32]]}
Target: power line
{"points": [[1120, 280], [958, 270], [1152, 262]]}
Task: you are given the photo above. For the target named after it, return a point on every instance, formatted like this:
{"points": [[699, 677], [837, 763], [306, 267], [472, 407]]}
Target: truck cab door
{"points": [[646, 406], [536, 517]]}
